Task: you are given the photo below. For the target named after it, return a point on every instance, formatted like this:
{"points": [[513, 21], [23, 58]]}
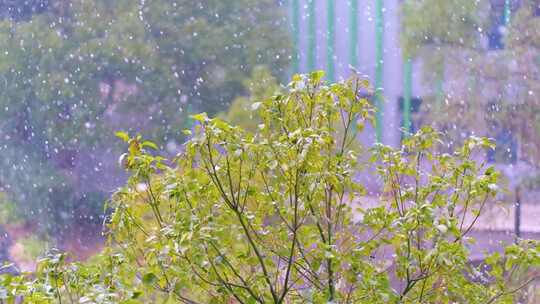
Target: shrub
{"points": [[276, 216]]}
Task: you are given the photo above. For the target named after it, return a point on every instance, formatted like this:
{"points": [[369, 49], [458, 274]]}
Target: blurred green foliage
{"points": [[482, 75], [60, 71], [73, 72], [8, 211], [432, 23], [33, 247], [242, 111]]}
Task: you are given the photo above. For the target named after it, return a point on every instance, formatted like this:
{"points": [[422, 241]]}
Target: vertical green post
{"points": [[353, 31], [379, 67], [312, 42], [407, 96], [295, 16], [331, 19], [507, 12]]}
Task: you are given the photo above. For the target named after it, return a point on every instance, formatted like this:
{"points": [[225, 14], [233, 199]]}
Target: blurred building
{"points": [[337, 35], [343, 36]]}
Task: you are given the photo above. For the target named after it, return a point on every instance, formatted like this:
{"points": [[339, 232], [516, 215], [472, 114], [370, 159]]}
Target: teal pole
{"points": [[379, 67], [331, 39], [507, 12], [296, 35], [407, 96], [353, 39], [353, 31], [312, 42]]}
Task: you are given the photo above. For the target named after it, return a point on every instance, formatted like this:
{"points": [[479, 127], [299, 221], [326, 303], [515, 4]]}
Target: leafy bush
{"points": [[32, 248], [276, 216], [8, 211]]}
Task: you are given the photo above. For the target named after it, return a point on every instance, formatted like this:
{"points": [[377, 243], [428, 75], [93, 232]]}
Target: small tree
{"points": [[276, 216]]}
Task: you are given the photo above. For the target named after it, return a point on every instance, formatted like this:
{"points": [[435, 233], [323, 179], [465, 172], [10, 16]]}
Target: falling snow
{"points": [[72, 73]]}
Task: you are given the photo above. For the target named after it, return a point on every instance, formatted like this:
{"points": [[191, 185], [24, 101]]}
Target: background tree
{"points": [[481, 59], [72, 72], [260, 85]]}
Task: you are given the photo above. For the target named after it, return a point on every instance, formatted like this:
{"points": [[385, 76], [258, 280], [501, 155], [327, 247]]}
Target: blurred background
{"points": [[72, 72]]}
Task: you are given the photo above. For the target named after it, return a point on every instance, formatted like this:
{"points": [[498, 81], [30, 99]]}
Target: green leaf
{"points": [[150, 144], [255, 106], [136, 294], [201, 117], [122, 135], [149, 278], [316, 76]]}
